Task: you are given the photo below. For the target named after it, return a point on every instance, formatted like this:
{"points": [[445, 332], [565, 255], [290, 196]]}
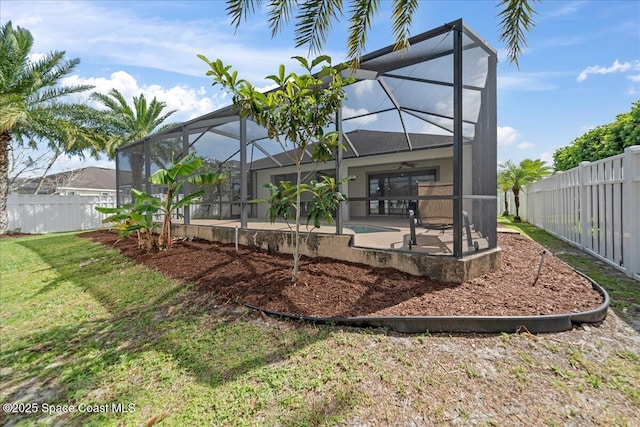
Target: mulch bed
{"points": [[331, 288]]}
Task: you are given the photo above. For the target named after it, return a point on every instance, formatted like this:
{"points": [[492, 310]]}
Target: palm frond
{"points": [[53, 93], [239, 9], [362, 13], [517, 17], [403, 11], [314, 21], [279, 14]]}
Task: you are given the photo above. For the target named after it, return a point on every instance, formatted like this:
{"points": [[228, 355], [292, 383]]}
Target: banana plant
{"points": [[174, 178], [137, 216]]}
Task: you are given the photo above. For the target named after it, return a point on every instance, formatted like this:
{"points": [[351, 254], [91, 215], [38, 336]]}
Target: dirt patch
{"points": [[15, 234], [331, 288]]}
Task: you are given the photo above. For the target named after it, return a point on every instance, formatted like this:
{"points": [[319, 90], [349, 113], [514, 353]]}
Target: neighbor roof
{"points": [[92, 177]]}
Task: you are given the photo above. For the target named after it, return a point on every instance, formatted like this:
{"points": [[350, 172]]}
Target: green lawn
{"points": [[84, 327]]}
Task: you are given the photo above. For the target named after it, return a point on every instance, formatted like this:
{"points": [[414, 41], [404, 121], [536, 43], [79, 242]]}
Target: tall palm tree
{"points": [[34, 106], [518, 176], [503, 184], [314, 19], [126, 124]]}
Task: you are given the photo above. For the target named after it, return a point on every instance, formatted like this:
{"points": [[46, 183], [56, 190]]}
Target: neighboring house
{"points": [[89, 181]]}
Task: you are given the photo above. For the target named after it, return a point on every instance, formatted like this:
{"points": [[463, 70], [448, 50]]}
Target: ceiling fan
{"points": [[406, 165]]}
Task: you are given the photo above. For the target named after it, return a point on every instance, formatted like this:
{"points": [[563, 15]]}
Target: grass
{"points": [[623, 291], [85, 327]]}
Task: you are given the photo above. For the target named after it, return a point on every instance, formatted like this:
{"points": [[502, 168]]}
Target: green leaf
{"points": [[188, 199], [107, 210], [161, 177], [207, 178]]}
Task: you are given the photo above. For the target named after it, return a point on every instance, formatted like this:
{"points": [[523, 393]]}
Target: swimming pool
{"points": [[361, 229]]}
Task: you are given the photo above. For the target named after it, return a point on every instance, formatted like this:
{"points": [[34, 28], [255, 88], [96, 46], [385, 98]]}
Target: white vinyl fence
{"points": [[30, 213], [595, 206]]}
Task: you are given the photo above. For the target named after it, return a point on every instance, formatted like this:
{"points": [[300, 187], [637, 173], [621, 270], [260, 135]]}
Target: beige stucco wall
{"points": [[440, 158]]}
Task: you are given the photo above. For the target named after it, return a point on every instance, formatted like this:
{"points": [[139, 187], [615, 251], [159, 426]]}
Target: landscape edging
{"points": [[480, 324]]}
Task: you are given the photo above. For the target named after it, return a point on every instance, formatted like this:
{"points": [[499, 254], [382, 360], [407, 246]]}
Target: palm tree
{"points": [[518, 176], [503, 184], [34, 107], [126, 124], [314, 19]]}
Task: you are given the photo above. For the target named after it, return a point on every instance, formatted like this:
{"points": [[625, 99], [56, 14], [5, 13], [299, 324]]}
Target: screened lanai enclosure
{"points": [[419, 131]]}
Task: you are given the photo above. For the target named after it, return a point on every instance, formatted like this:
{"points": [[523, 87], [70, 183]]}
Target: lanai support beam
{"points": [[339, 216], [243, 174], [457, 139], [185, 151]]}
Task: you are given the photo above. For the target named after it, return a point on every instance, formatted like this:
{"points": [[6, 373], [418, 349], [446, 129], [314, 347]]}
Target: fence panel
{"points": [[595, 206], [52, 213]]}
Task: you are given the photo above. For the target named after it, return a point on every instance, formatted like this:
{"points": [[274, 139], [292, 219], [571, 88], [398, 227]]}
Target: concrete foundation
{"points": [[339, 247]]}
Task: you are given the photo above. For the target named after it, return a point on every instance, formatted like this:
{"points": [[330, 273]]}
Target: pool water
{"points": [[361, 229]]}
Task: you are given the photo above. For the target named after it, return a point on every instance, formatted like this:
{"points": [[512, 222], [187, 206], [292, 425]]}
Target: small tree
{"points": [[295, 115], [503, 184], [174, 179], [136, 216], [517, 176]]}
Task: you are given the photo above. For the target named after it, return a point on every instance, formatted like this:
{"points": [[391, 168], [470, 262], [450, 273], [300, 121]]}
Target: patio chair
{"points": [[435, 213], [438, 213]]}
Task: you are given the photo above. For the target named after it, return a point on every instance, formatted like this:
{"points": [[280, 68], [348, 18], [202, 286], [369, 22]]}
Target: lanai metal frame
{"points": [[443, 85]]}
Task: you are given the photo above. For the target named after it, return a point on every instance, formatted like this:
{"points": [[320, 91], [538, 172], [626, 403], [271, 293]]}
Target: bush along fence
{"points": [[30, 213], [595, 206]]}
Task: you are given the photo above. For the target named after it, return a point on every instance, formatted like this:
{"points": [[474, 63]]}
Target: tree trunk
{"points": [[516, 198], [5, 140], [296, 244], [506, 205], [164, 240], [46, 171]]}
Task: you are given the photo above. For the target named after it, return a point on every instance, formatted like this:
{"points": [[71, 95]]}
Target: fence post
{"points": [[584, 174], [630, 209]]}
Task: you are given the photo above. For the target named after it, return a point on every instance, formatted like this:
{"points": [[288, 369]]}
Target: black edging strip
{"points": [[483, 324]]}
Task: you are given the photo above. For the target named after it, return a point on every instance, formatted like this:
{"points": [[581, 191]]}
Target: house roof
{"points": [[369, 143], [94, 178]]}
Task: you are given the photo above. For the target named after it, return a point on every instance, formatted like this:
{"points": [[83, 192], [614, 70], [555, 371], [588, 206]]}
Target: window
{"points": [[391, 193]]}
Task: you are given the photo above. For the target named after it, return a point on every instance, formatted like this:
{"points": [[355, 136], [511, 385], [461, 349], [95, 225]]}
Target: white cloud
{"points": [[117, 34], [616, 67], [35, 57], [525, 145], [564, 9], [507, 136], [547, 158], [363, 87], [634, 78], [64, 164], [189, 102], [527, 81], [352, 112]]}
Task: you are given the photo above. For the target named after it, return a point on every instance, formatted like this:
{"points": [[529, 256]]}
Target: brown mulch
{"points": [[331, 288]]}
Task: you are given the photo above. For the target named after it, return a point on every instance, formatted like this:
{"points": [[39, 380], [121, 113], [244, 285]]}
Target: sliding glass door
{"points": [[394, 193]]}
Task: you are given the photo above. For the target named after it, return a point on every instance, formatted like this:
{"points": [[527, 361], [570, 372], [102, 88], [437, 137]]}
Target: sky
{"points": [[579, 70]]}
